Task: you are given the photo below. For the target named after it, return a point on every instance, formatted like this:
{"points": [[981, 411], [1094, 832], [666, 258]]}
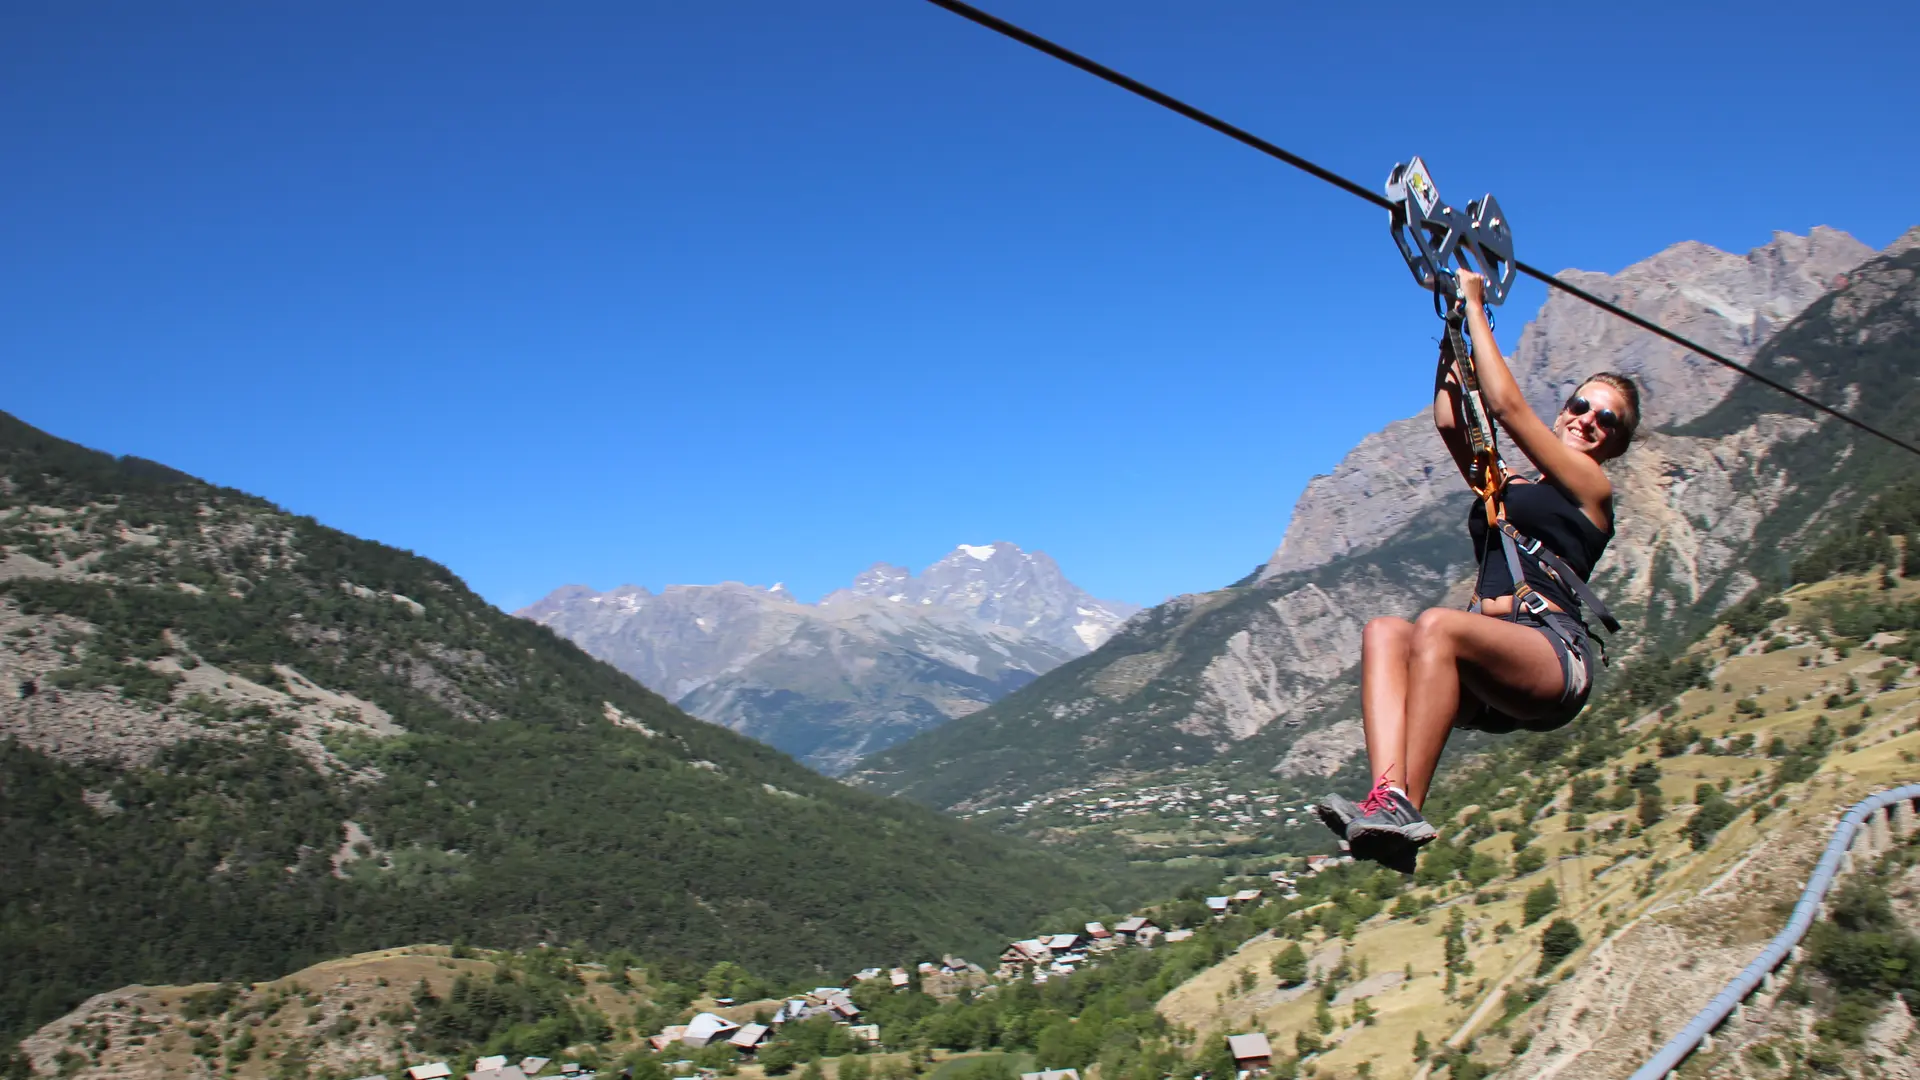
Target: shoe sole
{"points": [[1387, 849], [1391, 848], [1416, 834], [1401, 860], [1334, 820]]}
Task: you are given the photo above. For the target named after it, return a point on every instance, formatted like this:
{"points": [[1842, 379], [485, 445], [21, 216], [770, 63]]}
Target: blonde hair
{"points": [[1629, 390]]}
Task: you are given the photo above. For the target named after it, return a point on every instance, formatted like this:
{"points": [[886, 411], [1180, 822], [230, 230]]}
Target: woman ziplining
{"points": [[1520, 657]]}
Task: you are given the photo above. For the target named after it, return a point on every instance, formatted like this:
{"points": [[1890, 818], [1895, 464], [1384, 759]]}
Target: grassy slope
{"points": [[1722, 901]]}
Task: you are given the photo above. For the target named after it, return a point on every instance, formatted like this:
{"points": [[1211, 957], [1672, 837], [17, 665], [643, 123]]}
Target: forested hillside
{"points": [[1591, 887], [234, 741]]}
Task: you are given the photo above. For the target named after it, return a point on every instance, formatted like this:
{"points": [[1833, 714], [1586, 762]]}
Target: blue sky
{"points": [[611, 293]]}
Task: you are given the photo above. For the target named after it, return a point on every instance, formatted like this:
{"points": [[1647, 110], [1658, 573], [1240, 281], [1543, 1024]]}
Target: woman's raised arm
{"points": [[1446, 416], [1572, 471]]}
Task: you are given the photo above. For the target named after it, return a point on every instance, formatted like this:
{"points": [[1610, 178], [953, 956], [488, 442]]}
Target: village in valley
{"points": [[1037, 959], [1212, 805]]}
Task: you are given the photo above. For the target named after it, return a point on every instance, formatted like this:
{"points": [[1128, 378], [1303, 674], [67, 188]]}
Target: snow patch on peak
{"points": [[983, 552], [1093, 635]]}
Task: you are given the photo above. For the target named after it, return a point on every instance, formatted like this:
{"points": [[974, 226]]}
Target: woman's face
{"points": [[1584, 432]]}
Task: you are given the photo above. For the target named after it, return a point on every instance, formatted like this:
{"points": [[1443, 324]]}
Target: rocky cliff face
{"points": [[1187, 681], [868, 666], [1727, 302]]}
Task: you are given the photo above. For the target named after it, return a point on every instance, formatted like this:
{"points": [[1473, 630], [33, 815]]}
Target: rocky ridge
{"points": [[1727, 302], [1187, 681], [892, 655]]}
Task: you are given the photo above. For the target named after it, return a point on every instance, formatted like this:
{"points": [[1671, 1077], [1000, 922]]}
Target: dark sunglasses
{"points": [[1606, 418]]}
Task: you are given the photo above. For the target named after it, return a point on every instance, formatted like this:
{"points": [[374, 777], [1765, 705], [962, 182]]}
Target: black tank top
{"points": [[1543, 512]]}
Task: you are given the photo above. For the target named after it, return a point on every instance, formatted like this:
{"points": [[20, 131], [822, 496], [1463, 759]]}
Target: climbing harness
{"points": [[1438, 242]]}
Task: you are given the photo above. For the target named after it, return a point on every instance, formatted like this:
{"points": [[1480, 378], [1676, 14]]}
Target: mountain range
{"points": [[1724, 477], [890, 656]]}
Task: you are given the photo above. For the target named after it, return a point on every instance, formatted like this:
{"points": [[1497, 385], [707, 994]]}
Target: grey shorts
{"points": [[1572, 644]]}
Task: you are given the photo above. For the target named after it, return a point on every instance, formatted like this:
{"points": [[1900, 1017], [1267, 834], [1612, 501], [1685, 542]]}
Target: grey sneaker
{"points": [[1387, 822], [1336, 812]]}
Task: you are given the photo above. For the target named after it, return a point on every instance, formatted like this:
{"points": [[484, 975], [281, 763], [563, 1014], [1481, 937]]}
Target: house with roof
{"points": [[438, 1070], [867, 1034], [1019, 954], [1064, 943], [532, 1065], [1218, 905], [1244, 897], [504, 1072], [490, 1063], [899, 978], [1251, 1053], [1172, 936], [1052, 1074], [750, 1037], [706, 1029], [1098, 932], [1138, 930], [668, 1035]]}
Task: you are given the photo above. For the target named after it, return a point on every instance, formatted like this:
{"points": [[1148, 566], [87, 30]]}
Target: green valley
{"points": [[234, 742]]}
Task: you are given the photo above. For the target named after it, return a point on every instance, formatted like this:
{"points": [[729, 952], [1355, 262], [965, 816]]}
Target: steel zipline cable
{"points": [[1167, 101]]}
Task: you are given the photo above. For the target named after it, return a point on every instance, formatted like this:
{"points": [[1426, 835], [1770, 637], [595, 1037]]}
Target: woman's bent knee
{"points": [[1385, 630], [1433, 631]]}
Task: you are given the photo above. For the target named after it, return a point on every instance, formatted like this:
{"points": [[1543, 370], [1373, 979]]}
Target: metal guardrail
{"points": [[1837, 859]]}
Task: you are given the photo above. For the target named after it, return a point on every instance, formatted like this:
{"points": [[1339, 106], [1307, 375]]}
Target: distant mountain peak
{"points": [[892, 654], [1002, 584]]}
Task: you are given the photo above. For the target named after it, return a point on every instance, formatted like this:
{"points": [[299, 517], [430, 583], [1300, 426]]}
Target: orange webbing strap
{"points": [[1486, 473]]}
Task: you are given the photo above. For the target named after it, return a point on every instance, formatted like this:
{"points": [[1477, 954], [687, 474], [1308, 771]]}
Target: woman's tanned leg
{"points": [[1511, 667], [1385, 648]]}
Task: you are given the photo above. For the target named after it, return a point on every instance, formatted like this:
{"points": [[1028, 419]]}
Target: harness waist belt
{"points": [[1517, 542]]}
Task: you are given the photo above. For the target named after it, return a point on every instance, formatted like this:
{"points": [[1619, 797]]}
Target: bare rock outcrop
{"points": [[1730, 303]]}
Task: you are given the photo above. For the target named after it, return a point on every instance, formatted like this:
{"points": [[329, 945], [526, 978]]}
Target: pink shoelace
{"points": [[1380, 798]]}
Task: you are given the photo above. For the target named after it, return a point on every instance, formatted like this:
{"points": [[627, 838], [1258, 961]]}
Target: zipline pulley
{"points": [[1437, 240]]}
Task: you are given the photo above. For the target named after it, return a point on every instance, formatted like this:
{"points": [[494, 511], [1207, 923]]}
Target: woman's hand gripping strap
{"points": [[1487, 475]]}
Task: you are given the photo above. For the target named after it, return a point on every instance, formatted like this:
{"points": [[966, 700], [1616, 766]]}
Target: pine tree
{"points": [[1541, 899], [1557, 943], [1290, 965]]}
